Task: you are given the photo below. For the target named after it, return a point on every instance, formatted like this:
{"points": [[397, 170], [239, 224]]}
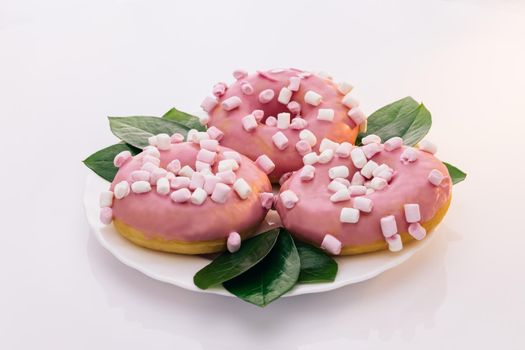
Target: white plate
{"points": [[179, 269]]}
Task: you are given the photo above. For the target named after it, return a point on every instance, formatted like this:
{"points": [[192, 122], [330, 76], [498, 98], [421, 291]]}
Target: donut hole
{"points": [[273, 109]]}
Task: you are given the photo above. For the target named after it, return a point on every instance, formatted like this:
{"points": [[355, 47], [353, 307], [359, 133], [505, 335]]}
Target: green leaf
{"points": [[184, 118], [455, 174], [316, 265], [101, 162], [137, 130], [229, 265], [275, 275], [404, 118]]}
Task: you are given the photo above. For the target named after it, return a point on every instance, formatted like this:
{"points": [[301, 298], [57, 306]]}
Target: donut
{"points": [[275, 117], [378, 196], [193, 197]]}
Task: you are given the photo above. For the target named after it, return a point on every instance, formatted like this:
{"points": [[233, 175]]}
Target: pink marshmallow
{"points": [[174, 166], [363, 204], [271, 121], [177, 138], [140, 175], [231, 103], [233, 243], [266, 96], [209, 183], [417, 231], [265, 163], [267, 200], [180, 182], [307, 173], [180, 196], [357, 190], [232, 155], [343, 150], [206, 156], [258, 114], [298, 123], [388, 226], [201, 166], [371, 149], [435, 177], [220, 193], [156, 175], [106, 215], [357, 115], [149, 167], [150, 159], [295, 83], [249, 123], [409, 155], [208, 104], [219, 89], [210, 145], [215, 133], [197, 181], [289, 199], [280, 140], [240, 74], [332, 245], [303, 147], [227, 177], [393, 143], [247, 88], [121, 158], [412, 214], [294, 107]]}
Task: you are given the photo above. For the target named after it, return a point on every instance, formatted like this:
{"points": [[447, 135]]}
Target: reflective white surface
{"points": [[65, 65]]}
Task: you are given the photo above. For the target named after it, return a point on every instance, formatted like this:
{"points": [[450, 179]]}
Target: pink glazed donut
{"points": [[188, 197], [375, 197], [275, 117]]}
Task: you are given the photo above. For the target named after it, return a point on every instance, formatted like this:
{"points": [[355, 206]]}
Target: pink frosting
{"points": [[157, 215], [259, 141], [315, 216]]}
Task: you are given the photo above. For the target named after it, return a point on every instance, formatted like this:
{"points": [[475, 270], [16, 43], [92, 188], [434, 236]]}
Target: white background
{"points": [[65, 65]]}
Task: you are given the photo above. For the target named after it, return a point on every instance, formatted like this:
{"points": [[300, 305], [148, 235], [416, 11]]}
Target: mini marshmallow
{"points": [[151, 151], [328, 144], [335, 186], [247, 89], [106, 199], [186, 171], [249, 122], [363, 127], [308, 136], [201, 166], [289, 199], [369, 191], [198, 196], [378, 183], [242, 188], [393, 143], [210, 145], [349, 101], [174, 166], [344, 87], [435, 177], [358, 157], [219, 89], [204, 119], [198, 136], [232, 155], [295, 83], [369, 167], [381, 168], [310, 158], [271, 121], [388, 226], [349, 215], [370, 139], [372, 149], [427, 146], [240, 74], [395, 243], [386, 174], [210, 181], [180, 182], [298, 123], [206, 156], [324, 75], [307, 173], [215, 133], [157, 174], [149, 167], [363, 204], [338, 171], [228, 164], [266, 96], [121, 190], [140, 187], [417, 231], [180, 196], [121, 158], [233, 243], [312, 98], [325, 114], [294, 107], [412, 214], [303, 147], [331, 244], [170, 176], [140, 175], [280, 140], [197, 181], [265, 163], [206, 171], [220, 193], [325, 156], [258, 114], [163, 142], [341, 195], [283, 121], [343, 150], [267, 199], [150, 159], [163, 186], [227, 176], [208, 104], [152, 140], [357, 116], [357, 190], [343, 181], [409, 155], [358, 179], [191, 135], [177, 138], [106, 215], [284, 96], [231, 103]]}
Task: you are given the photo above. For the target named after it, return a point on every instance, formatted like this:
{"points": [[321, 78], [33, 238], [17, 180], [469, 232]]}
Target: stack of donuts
{"points": [[208, 191]]}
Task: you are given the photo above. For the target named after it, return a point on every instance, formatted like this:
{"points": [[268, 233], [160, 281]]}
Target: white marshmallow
{"points": [[343, 150], [310, 158], [350, 101], [206, 156], [228, 164], [369, 167], [242, 188], [201, 166], [393, 143], [249, 122], [307, 173], [295, 83], [152, 140], [210, 181], [198, 196], [163, 186], [289, 199], [284, 95], [326, 156], [181, 195], [335, 186], [280, 140], [344, 87], [435, 177], [220, 193], [325, 114], [121, 190], [338, 171], [106, 199], [363, 204], [378, 183], [412, 213], [349, 215], [332, 245], [370, 139], [232, 155], [186, 171], [190, 136], [328, 144], [312, 98], [271, 121], [174, 166], [340, 196], [233, 243], [283, 121], [152, 151], [180, 182], [395, 243], [140, 187], [358, 157], [228, 177], [427, 146], [358, 179], [357, 190], [197, 181], [163, 142], [308, 136]]}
